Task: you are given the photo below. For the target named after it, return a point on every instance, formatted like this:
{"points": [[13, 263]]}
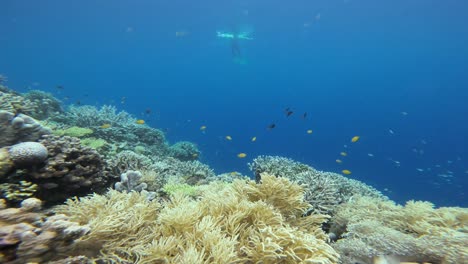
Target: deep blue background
{"points": [[353, 66]]}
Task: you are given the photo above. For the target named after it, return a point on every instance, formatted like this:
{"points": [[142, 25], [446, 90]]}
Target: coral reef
{"points": [[90, 116], [240, 223], [119, 128], [323, 190], [17, 192], [48, 104], [369, 227], [279, 166], [74, 131], [27, 236], [27, 154], [94, 143], [16, 128], [37, 104], [184, 151], [130, 182], [128, 160], [70, 169]]}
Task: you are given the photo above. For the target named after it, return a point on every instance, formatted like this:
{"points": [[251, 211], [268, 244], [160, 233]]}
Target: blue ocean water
{"points": [[393, 72]]}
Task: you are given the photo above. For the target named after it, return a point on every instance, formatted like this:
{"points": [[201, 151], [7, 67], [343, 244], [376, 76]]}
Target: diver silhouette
{"points": [[235, 49], [235, 37]]}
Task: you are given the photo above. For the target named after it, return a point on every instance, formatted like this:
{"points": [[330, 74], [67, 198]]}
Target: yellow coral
{"points": [[6, 164], [239, 223]]}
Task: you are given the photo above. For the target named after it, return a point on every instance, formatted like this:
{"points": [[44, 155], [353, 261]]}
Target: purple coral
{"points": [[27, 154]]}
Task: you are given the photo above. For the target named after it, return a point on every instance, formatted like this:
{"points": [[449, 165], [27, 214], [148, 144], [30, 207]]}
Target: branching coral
{"points": [[323, 190], [242, 223], [416, 231], [279, 166]]}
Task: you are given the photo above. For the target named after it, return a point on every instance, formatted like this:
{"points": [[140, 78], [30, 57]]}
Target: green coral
{"points": [[74, 131], [95, 143], [183, 188]]}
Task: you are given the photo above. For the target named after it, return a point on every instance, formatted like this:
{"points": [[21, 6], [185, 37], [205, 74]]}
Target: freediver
{"points": [[235, 49]]}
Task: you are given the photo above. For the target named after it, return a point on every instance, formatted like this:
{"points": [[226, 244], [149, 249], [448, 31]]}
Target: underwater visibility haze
{"points": [[375, 91]]}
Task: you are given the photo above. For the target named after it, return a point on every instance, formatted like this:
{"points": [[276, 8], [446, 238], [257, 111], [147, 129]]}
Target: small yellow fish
{"points": [[140, 121], [254, 139], [339, 161], [106, 125], [195, 155], [241, 155], [234, 173], [346, 172], [344, 154], [228, 137], [355, 139], [203, 128], [309, 131]]}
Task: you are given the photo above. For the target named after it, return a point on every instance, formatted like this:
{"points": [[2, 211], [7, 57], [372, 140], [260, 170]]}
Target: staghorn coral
{"points": [[128, 160], [190, 172], [240, 223], [19, 128], [279, 166], [70, 170], [90, 116], [368, 227], [27, 235], [323, 190]]}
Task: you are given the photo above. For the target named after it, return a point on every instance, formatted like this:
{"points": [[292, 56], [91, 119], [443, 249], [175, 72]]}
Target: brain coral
{"points": [[28, 153]]}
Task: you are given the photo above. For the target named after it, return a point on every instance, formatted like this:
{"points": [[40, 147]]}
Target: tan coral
{"points": [[30, 236], [239, 223], [416, 231]]}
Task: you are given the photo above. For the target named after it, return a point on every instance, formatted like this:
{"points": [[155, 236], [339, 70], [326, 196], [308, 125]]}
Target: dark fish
{"points": [[59, 87], [304, 115], [289, 113], [270, 127], [78, 102], [148, 111]]}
